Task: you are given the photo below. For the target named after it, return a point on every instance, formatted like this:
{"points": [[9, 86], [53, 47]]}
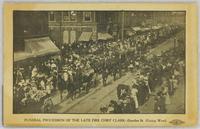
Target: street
{"points": [[101, 96]]}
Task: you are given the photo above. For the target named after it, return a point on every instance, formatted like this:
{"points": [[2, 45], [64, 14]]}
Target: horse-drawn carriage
{"points": [[124, 103], [76, 81], [123, 91]]}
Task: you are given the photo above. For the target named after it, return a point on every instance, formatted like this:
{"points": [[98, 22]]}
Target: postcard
{"points": [[100, 64]]}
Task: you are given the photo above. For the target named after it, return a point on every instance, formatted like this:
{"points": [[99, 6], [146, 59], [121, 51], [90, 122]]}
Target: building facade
{"points": [[28, 24], [120, 21], [67, 26]]}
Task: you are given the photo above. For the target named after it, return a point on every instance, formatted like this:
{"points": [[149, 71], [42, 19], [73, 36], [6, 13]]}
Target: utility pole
{"points": [[96, 26], [60, 29], [122, 28]]}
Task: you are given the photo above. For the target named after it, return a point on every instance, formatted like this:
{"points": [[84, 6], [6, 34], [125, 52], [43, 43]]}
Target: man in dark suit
{"points": [[61, 85]]}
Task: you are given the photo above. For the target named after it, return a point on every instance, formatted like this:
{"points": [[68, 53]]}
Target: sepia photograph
{"points": [[99, 62], [100, 65]]}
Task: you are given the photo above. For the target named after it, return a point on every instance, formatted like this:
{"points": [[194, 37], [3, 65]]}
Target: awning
{"points": [[136, 28], [130, 33], [21, 56], [156, 27], [40, 46], [145, 29], [85, 36], [104, 36]]}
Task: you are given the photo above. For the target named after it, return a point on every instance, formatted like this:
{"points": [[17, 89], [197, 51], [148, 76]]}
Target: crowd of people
{"points": [[158, 76], [80, 66]]}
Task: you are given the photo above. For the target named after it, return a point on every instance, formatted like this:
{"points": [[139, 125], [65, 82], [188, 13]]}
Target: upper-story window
{"points": [[69, 16], [51, 16], [66, 16], [87, 16]]}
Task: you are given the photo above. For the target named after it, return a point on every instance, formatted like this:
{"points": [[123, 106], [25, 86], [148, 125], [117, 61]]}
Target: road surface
{"points": [[101, 96]]}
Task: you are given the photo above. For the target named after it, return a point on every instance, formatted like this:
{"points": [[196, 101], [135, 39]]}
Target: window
{"points": [[66, 16], [72, 36], [87, 16], [51, 16], [70, 16], [73, 16], [66, 37]]}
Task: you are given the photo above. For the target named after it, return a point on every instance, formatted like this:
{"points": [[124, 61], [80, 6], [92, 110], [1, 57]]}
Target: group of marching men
{"points": [[79, 67]]}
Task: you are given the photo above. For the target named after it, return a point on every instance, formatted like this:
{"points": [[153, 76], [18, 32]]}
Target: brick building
{"points": [[67, 26]]}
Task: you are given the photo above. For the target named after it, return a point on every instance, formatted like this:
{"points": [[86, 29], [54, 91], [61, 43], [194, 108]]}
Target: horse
{"points": [[88, 80]]}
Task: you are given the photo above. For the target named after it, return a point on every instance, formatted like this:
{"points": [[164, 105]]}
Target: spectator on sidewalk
{"points": [[159, 105], [164, 90], [61, 86]]}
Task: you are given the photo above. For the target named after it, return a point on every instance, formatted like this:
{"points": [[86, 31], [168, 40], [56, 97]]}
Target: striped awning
{"points": [[85, 36], [22, 56], [35, 47], [40, 46]]}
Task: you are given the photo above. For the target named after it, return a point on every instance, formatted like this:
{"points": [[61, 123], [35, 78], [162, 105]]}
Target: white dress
{"points": [[134, 92]]}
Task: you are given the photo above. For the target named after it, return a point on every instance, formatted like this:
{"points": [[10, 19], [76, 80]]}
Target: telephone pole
{"points": [[122, 28]]}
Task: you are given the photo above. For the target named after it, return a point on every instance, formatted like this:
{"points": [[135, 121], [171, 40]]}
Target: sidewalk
{"points": [[177, 101]]}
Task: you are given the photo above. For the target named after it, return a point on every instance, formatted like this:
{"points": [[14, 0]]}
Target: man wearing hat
{"points": [[61, 85]]}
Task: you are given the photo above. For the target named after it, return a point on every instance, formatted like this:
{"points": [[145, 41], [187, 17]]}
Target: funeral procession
{"points": [[99, 62]]}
